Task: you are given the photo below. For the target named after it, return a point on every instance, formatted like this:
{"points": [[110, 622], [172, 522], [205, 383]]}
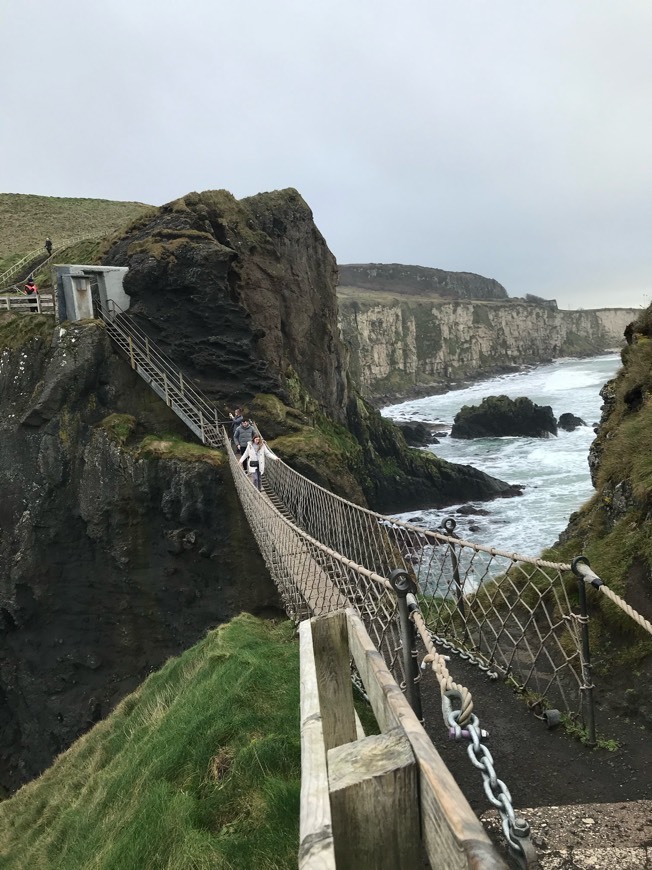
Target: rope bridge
{"points": [[512, 615]]}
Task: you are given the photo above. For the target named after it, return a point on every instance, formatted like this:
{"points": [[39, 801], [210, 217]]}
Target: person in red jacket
{"points": [[31, 290]]}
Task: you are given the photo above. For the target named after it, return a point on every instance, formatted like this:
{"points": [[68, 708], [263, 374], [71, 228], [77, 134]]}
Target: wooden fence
{"points": [[378, 801], [39, 303]]}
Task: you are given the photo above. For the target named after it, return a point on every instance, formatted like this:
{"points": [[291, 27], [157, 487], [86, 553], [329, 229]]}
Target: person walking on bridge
{"points": [[243, 435], [48, 246], [254, 456]]}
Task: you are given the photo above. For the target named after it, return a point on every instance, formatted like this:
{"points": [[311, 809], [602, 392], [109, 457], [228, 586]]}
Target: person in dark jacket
{"points": [[237, 418], [48, 246], [243, 436]]}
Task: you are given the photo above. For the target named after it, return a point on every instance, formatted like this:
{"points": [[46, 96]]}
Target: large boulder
{"points": [[500, 416]]}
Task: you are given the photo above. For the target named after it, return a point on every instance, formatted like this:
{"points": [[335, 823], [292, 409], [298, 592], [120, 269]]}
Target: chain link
{"points": [[466, 656], [516, 830]]}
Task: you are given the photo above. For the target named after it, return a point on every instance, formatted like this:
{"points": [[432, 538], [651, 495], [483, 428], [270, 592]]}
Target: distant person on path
{"points": [[48, 246], [31, 290], [243, 436], [255, 455]]}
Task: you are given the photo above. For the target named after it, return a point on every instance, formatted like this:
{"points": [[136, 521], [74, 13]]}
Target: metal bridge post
{"points": [[201, 427], [449, 526], [147, 348], [403, 585], [586, 689], [165, 386], [181, 382], [131, 353]]}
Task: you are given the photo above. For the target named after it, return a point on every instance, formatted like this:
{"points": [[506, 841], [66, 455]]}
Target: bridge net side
{"points": [[314, 579], [513, 614]]}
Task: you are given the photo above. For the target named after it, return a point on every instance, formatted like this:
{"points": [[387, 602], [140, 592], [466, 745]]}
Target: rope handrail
{"points": [[582, 568]]}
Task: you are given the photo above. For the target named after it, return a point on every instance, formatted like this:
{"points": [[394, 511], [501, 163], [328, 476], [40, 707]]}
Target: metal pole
{"points": [[587, 688], [403, 586], [449, 527]]}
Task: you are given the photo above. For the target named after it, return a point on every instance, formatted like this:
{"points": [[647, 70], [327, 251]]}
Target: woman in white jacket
{"points": [[254, 456]]}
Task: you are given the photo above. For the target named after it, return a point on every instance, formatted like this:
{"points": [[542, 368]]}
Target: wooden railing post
{"points": [[331, 645], [374, 806]]}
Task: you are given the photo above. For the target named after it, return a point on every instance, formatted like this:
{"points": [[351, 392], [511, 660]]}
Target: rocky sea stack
{"points": [[500, 416]]}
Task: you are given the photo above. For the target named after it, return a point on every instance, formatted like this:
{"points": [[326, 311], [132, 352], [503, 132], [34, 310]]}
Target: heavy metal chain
{"points": [[515, 829]]}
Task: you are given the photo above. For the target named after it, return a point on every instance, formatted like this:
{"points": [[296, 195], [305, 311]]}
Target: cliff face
{"points": [[110, 560], [241, 293], [404, 348], [614, 529]]}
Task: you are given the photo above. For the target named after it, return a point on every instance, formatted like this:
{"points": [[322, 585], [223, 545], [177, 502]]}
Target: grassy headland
{"points": [[26, 220]]}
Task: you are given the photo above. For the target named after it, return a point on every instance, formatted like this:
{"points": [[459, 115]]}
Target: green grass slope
{"points": [[199, 768], [26, 220]]}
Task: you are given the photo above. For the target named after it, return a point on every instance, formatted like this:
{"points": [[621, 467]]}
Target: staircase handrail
{"points": [[28, 258], [148, 352]]}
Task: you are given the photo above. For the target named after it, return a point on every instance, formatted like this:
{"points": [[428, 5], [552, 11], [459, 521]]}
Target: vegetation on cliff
{"points": [[199, 767], [614, 529], [27, 220]]}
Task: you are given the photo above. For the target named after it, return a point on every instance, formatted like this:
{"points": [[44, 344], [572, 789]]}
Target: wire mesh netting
{"points": [[511, 612]]}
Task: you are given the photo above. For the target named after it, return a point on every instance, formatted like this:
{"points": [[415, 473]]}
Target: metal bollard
{"points": [[403, 586]]}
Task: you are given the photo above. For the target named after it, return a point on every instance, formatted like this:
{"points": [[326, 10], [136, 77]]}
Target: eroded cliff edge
{"points": [[407, 344]]}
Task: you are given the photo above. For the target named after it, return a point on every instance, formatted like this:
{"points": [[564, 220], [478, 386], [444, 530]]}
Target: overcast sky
{"points": [[512, 138]]}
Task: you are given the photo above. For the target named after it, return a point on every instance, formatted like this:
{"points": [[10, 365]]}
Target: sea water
{"points": [[553, 471]]}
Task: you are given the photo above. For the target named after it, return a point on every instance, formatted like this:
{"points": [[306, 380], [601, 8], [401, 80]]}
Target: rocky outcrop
{"points": [[500, 416], [420, 281], [116, 550], [241, 294], [569, 422], [410, 347], [111, 561]]}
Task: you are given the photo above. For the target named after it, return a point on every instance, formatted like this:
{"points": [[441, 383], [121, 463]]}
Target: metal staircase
{"points": [[162, 375]]}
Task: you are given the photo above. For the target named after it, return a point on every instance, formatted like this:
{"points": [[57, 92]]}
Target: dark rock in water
{"points": [[468, 510], [417, 434], [569, 422], [499, 416]]}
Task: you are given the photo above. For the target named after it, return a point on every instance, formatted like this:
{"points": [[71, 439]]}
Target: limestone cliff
{"points": [[403, 347]]}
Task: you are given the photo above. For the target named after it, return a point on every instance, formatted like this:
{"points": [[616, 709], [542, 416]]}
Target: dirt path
{"points": [[539, 767]]}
